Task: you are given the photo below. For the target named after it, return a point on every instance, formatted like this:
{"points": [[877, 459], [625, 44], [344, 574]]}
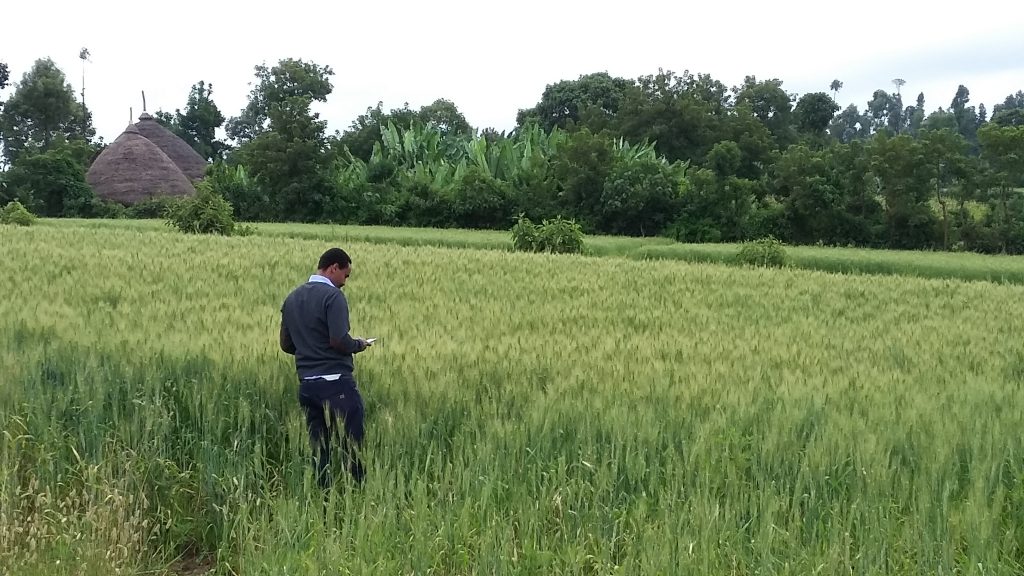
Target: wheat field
{"points": [[526, 414]]}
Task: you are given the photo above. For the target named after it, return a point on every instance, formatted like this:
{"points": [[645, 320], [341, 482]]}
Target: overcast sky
{"points": [[493, 58]]}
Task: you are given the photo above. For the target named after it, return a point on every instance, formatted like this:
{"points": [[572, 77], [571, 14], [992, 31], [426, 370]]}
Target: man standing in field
{"points": [[315, 329]]}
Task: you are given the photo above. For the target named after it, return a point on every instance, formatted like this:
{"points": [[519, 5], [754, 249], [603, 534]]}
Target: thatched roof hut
{"points": [[133, 169], [183, 155]]}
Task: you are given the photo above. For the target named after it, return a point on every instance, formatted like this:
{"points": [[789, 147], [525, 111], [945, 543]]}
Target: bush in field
{"points": [[555, 235], [767, 252], [153, 208], [16, 214], [524, 235], [205, 213]]}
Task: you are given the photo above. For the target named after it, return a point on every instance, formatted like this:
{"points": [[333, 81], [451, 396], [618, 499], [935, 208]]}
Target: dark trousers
{"points": [[327, 404]]}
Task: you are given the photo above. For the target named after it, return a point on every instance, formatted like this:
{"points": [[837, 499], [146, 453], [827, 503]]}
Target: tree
{"points": [[812, 204], [850, 125], [284, 146], [770, 104], [51, 183], [944, 151], [198, 125], [939, 120], [898, 118], [640, 197], [580, 166], [849, 172], [365, 131], [915, 115], [717, 204], [835, 87], [903, 175], [878, 109], [444, 115], [814, 113], [84, 56], [966, 117], [757, 148], [564, 101], [289, 160], [683, 115], [289, 79], [5, 75], [1003, 149], [1010, 112], [42, 111]]}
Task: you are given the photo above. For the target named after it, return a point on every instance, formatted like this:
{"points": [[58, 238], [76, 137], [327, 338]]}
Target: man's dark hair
{"points": [[334, 256]]}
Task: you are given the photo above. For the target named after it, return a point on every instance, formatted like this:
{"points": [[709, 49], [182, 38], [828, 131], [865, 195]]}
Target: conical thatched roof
{"points": [[187, 159], [132, 169]]}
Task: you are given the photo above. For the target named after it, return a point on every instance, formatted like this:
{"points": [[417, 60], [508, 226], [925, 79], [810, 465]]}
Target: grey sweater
{"points": [[313, 314]]}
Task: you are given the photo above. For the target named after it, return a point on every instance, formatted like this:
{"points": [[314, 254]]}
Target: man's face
{"points": [[339, 275]]}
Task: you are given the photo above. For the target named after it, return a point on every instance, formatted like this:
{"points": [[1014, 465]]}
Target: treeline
{"points": [[666, 154]]}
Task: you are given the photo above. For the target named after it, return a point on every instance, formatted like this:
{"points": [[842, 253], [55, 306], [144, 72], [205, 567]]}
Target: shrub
{"points": [[556, 235], [205, 213], [524, 235], [16, 214], [153, 208], [767, 252]]}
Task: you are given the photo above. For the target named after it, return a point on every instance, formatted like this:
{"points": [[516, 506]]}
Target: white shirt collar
{"points": [[319, 278]]}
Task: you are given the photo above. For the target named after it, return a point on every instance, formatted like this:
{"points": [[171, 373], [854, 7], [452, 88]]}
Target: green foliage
{"points": [[364, 134], [773, 106], [291, 160], [237, 186], [580, 165], [640, 197], [613, 154], [479, 200], [14, 213], [155, 207], [684, 115], [42, 111], [109, 210], [288, 82], [1010, 112], [717, 204], [198, 125], [555, 235], [205, 213], [565, 103], [52, 183], [525, 235], [765, 252], [814, 113]]}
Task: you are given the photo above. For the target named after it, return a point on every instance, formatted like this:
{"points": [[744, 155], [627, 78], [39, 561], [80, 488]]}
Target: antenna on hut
{"points": [[143, 100], [131, 115]]}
